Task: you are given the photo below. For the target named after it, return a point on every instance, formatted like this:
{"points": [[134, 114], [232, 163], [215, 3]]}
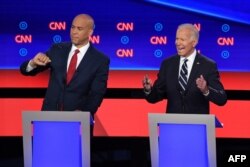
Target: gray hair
{"points": [[194, 31]]}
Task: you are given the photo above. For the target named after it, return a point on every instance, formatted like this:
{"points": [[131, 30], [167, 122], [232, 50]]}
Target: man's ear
{"points": [[91, 32], [195, 42]]}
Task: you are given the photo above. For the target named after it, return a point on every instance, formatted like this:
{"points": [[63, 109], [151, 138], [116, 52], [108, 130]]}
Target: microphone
{"points": [[182, 96], [178, 87], [64, 80], [61, 99], [185, 72]]}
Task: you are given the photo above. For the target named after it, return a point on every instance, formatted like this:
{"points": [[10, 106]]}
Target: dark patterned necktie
{"points": [[72, 66], [183, 76]]}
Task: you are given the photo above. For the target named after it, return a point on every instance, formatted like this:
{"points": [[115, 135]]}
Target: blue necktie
{"points": [[183, 76]]}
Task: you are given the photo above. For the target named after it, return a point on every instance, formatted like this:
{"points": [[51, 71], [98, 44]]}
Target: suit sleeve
{"points": [[158, 92], [217, 93], [36, 70]]}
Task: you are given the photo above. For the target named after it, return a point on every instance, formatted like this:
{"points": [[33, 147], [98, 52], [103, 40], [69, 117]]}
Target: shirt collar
{"points": [[190, 58], [82, 49]]}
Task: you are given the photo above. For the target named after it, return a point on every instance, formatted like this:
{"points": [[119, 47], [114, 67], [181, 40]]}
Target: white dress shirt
{"points": [[80, 55]]}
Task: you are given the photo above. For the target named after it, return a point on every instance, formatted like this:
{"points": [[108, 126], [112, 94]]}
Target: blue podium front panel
{"points": [[56, 144], [183, 145]]}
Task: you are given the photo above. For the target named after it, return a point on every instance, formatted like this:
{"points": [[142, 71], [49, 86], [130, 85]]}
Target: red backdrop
{"points": [[124, 117]]}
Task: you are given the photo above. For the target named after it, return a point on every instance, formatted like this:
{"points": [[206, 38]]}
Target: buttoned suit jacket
{"points": [[192, 100], [87, 87]]}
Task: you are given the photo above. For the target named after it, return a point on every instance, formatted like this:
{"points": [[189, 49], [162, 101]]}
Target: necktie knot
{"points": [[77, 51]]}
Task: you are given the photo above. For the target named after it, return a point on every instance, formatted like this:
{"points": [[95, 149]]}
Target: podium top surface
{"points": [[186, 118]]}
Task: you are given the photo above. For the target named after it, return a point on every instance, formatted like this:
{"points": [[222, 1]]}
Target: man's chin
{"points": [[180, 53], [74, 42]]}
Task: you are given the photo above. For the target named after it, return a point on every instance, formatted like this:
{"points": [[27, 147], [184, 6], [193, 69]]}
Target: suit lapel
{"points": [[176, 69], [64, 57], [195, 69], [86, 60]]}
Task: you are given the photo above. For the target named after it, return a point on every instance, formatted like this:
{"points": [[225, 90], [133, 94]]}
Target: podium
{"points": [[54, 138], [182, 140]]}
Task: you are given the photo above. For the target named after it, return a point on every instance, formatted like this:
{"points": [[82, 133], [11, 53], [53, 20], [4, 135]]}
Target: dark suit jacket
{"points": [[192, 100], [86, 89]]}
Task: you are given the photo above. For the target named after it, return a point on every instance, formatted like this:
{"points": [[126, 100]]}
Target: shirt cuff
{"points": [[206, 93], [147, 92], [29, 67]]}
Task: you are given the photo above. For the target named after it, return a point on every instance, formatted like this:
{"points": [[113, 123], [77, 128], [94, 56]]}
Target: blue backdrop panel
{"points": [[135, 34], [183, 145], [56, 144]]}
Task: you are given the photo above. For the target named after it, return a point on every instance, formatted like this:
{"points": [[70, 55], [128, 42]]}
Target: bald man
{"points": [[78, 86]]}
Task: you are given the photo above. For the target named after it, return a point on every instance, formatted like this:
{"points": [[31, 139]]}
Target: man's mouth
{"points": [[180, 49]]}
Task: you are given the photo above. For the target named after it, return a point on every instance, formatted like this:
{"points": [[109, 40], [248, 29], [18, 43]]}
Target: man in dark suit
{"points": [[84, 88], [188, 80]]}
